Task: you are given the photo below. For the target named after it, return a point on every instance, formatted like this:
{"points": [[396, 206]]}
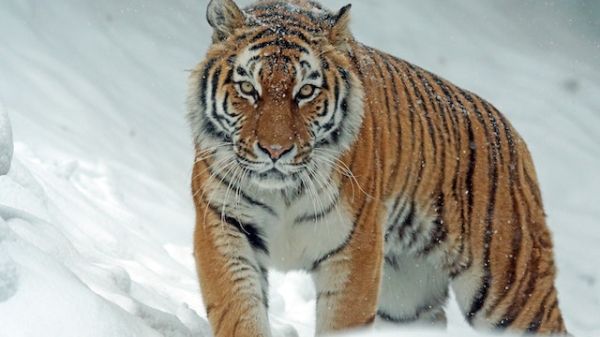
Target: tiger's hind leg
{"points": [[528, 305], [413, 291]]}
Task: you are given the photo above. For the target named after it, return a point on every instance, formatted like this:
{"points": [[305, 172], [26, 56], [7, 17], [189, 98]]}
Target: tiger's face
{"points": [[275, 106]]}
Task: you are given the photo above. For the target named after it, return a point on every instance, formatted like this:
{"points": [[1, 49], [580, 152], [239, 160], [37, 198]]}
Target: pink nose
{"points": [[275, 151]]}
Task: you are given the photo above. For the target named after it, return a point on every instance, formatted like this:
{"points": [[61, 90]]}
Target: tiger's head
{"points": [[275, 100]]}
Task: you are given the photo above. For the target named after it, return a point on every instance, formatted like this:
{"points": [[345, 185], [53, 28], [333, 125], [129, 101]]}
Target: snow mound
{"points": [[6, 143], [58, 270], [8, 268]]}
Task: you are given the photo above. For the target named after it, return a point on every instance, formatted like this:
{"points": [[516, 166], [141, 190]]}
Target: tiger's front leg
{"points": [[230, 278], [348, 281]]}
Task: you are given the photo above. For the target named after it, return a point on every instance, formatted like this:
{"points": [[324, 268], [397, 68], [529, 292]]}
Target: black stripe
{"points": [[325, 109], [407, 222], [482, 294], [215, 85], [434, 99], [285, 44], [423, 105], [411, 129], [241, 71], [530, 275], [535, 324], [420, 163], [344, 75], [469, 177], [515, 308], [394, 217], [243, 262], [392, 261], [342, 102], [398, 320], [439, 233], [252, 62], [296, 33], [495, 129], [336, 92], [314, 217], [210, 129], [304, 64], [252, 233], [537, 320], [314, 75], [263, 33], [551, 308], [229, 77], [533, 186], [226, 108], [317, 263], [516, 221], [207, 126], [222, 319], [242, 37], [459, 265], [264, 273], [204, 82], [243, 195], [414, 234], [396, 113], [231, 59], [383, 88]]}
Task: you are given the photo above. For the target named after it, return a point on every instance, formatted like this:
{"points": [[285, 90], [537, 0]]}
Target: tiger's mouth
{"points": [[273, 173], [269, 175], [274, 179]]}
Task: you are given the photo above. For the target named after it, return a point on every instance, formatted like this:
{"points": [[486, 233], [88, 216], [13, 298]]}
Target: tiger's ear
{"points": [[339, 33], [224, 16]]}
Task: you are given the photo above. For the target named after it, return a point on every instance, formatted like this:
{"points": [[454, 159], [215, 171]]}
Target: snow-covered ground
{"points": [[95, 211]]}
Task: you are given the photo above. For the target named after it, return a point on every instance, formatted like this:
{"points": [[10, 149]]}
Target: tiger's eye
{"points": [[247, 88], [306, 91]]}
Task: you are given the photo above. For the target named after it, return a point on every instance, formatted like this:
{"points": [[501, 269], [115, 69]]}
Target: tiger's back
{"points": [[409, 182]]}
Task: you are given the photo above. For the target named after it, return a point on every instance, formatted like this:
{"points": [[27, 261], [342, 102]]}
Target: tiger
{"points": [[386, 183]]}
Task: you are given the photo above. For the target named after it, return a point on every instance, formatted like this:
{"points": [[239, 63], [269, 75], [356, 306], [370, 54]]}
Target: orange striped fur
{"points": [[385, 182]]}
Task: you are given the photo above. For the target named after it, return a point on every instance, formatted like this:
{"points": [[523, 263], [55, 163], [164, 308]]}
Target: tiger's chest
{"points": [[299, 232]]}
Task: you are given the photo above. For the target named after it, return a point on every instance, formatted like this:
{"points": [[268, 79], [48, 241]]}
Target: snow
{"points": [[6, 143], [95, 209]]}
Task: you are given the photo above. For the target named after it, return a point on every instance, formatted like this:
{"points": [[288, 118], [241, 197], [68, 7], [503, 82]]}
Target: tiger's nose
{"points": [[275, 151]]}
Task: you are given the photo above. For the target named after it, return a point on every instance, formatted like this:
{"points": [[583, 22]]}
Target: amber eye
{"points": [[306, 91], [247, 88]]}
